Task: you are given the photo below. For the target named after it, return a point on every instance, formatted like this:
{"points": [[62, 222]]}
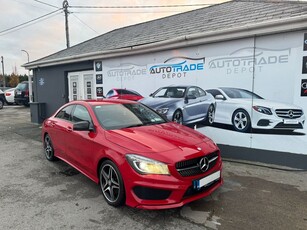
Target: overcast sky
{"points": [[47, 36]]}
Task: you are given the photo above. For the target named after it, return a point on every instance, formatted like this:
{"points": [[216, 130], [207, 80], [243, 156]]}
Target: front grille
{"points": [[289, 113], [191, 167]]}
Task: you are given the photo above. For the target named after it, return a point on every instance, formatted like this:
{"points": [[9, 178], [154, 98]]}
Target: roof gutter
{"points": [[259, 29]]}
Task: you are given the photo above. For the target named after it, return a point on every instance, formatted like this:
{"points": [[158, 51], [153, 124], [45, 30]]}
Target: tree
{"points": [[14, 80]]}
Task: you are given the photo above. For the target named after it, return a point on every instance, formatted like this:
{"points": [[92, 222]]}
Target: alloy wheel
{"points": [[110, 183], [49, 152], [178, 117], [241, 121]]}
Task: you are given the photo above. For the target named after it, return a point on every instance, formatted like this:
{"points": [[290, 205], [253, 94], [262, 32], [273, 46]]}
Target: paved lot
{"points": [[37, 194]]}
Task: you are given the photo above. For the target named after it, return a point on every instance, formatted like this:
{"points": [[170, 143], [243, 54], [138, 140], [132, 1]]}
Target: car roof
{"points": [[96, 102]]}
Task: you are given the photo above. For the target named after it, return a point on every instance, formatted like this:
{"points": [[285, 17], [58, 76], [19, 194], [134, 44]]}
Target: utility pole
{"points": [[4, 84], [65, 6]]}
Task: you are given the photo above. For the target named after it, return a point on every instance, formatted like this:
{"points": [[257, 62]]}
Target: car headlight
{"points": [[162, 110], [262, 109], [144, 165]]}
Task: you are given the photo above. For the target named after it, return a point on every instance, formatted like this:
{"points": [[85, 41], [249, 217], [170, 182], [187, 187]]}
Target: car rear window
{"points": [[22, 86]]}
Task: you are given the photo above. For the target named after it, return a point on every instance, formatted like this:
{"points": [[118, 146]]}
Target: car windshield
{"points": [[240, 93], [119, 116], [22, 86], [170, 92]]}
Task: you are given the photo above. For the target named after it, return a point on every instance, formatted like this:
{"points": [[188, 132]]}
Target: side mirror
{"points": [[220, 97], [83, 126], [151, 94]]}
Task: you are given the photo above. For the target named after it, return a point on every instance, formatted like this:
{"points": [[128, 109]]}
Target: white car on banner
{"points": [[245, 110]]}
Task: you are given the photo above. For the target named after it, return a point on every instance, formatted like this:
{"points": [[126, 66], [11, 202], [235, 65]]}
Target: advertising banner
{"points": [[258, 86]]}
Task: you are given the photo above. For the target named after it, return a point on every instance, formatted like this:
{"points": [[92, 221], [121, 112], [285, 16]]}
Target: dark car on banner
{"points": [[134, 153], [183, 104]]}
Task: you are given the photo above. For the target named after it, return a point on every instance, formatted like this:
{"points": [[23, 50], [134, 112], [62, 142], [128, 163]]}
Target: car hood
{"points": [[156, 138], [266, 103], [155, 102]]}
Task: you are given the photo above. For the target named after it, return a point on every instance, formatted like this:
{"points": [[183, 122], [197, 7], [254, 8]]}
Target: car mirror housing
{"points": [[219, 97], [83, 126]]}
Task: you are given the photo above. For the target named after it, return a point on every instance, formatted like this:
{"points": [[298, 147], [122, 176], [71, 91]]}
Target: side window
{"points": [[201, 92], [193, 92], [214, 92], [81, 114], [65, 113]]}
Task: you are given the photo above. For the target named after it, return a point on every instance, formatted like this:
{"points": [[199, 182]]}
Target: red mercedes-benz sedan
{"points": [[136, 156]]}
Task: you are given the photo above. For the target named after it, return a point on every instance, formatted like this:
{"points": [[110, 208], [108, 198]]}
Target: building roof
{"points": [[236, 15]]}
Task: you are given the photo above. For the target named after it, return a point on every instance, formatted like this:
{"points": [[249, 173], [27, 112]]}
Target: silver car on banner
{"points": [[183, 104], [245, 110]]}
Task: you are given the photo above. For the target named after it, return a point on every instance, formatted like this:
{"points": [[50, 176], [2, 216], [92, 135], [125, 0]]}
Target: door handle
{"points": [[69, 129]]}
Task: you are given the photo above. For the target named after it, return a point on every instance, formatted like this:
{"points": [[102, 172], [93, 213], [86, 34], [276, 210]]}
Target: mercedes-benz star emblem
{"points": [[290, 114], [204, 164]]}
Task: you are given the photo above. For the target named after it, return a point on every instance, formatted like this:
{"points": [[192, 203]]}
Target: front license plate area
{"points": [[197, 184], [291, 122]]}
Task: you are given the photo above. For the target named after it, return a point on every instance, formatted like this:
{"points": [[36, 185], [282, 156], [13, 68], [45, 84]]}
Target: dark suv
{"points": [[2, 99], [22, 93]]}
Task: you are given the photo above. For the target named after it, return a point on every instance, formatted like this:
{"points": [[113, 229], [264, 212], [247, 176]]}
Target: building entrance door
{"points": [[81, 86]]}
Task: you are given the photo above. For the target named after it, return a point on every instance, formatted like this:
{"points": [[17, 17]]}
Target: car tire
{"points": [[178, 116], [1, 104], [111, 184], [209, 120], [48, 148], [241, 121]]}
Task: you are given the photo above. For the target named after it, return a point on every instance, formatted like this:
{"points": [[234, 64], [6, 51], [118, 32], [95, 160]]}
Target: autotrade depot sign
{"points": [[175, 68]]}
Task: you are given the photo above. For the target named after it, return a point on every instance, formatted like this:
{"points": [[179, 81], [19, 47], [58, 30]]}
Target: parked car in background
{"points": [[10, 96], [183, 104], [136, 155], [245, 110], [22, 93], [126, 94], [2, 99]]}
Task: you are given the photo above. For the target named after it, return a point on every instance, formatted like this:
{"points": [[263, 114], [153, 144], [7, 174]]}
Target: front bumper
{"points": [[263, 121], [164, 192]]}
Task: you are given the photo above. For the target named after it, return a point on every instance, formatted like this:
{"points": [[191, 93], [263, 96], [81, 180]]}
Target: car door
{"points": [[80, 143], [194, 102], [58, 130]]}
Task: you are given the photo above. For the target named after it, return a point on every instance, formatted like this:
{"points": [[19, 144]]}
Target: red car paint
{"points": [[168, 143], [124, 94]]}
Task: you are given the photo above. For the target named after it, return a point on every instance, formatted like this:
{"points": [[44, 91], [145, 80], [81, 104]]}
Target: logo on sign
{"points": [[178, 69], [41, 81], [304, 88], [98, 66], [249, 59]]}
